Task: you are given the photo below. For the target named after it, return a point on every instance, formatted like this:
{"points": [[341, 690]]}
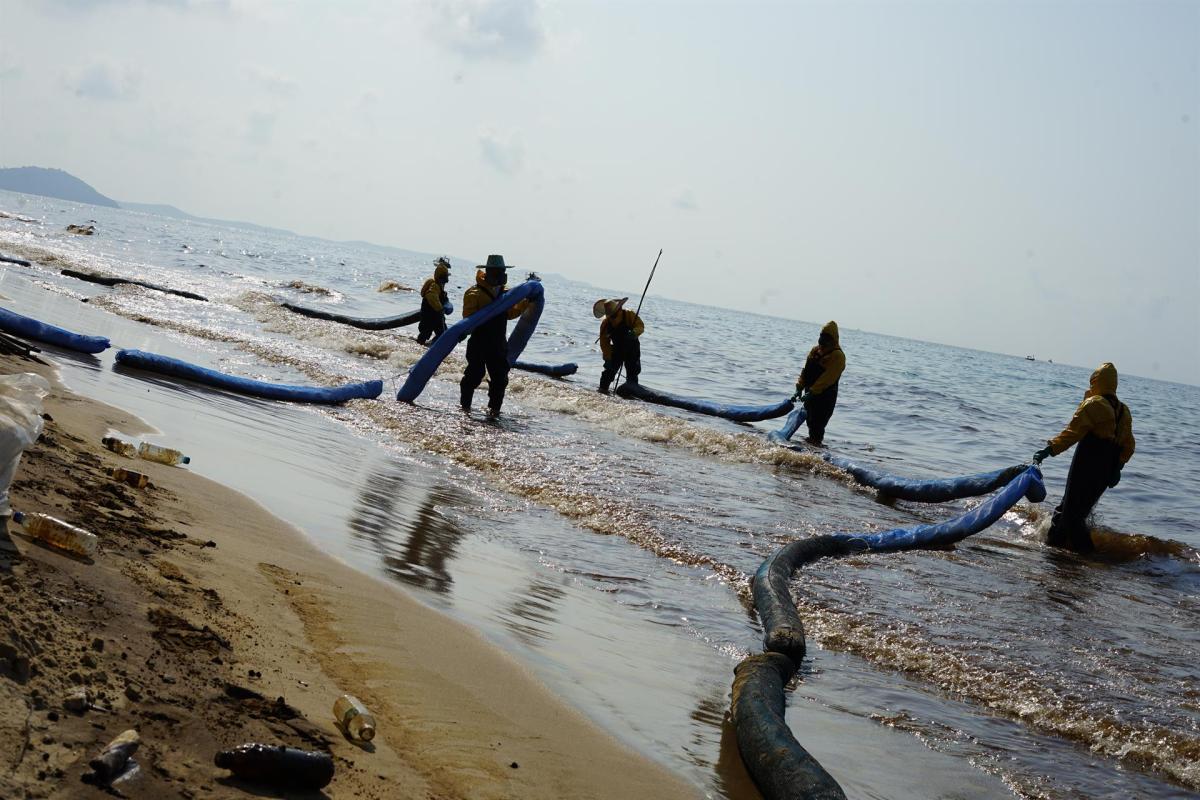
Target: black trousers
{"points": [[627, 352], [1092, 469], [433, 323], [485, 353], [819, 409]]}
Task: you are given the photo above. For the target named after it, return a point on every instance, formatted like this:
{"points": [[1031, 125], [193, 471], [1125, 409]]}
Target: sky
{"points": [[1014, 177]]}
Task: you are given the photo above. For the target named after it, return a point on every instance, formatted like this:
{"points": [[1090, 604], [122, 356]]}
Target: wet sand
{"points": [[195, 591]]}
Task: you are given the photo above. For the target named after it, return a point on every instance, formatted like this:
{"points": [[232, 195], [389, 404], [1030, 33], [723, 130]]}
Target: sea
{"points": [[608, 544]]}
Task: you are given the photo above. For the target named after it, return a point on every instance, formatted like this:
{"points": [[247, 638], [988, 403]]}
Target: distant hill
{"points": [[52, 183], [161, 209], [65, 186]]}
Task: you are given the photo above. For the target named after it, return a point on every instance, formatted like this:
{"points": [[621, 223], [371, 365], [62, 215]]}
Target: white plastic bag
{"points": [[20, 424]]}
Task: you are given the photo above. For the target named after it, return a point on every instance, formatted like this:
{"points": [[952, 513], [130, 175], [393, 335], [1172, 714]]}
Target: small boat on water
{"points": [[1030, 358]]}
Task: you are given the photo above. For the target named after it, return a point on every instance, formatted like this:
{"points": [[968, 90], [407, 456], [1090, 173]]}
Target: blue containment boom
{"points": [[781, 623], [165, 365], [427, 365], [737, 413], [366, 323], [30, 328], [108, 280], [553, 370], [781, 768], [938, 490], [790, 425]]}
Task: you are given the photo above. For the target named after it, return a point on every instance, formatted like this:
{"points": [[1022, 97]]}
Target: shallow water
{"points": [[609, 543]]}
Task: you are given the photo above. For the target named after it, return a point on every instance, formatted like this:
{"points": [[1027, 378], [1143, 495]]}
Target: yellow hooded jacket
{"points": [[1098, 415], [432, 291], [832, 363], [481, 294], [624, 318]]}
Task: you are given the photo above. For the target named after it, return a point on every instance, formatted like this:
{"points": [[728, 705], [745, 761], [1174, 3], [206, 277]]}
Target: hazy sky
{"points": [[1018, 177]]}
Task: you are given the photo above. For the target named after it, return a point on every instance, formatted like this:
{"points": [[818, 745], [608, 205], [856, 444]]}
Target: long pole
{"points": [[617, 382]]}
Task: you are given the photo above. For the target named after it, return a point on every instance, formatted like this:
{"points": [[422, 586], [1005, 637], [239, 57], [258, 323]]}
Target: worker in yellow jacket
{"points": [[435, 304], [1103, 430], [487, 347], [817, 386], [619, 332]]}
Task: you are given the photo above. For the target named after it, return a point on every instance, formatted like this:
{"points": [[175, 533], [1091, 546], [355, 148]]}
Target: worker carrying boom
{"points": [[487, 347], [817, 386], [1103, 430]]}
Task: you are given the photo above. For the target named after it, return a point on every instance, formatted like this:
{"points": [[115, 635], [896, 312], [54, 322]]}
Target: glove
{"points": [[448, 308], [630, 335], [1041, 455], [805, 397], [1116, 478]]}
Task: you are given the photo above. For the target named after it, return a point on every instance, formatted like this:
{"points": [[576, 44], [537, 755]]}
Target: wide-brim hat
{"points": [[495, 262], [600, 307]]}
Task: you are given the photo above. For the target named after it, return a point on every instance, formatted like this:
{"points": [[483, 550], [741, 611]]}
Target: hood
{"points": [[1104, 380], [832, 329], [441, 273], [481, 278]]}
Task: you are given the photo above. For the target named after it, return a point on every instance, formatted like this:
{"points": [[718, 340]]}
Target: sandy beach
{"points": [[205, 622]]}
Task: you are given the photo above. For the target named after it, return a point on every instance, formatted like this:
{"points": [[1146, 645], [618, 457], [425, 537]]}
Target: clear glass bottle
{"points": [[163, 455], [135, 479], [62, 535], [120, 447], [354, 718]]}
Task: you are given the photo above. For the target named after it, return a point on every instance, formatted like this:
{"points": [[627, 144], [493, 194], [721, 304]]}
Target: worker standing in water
{"points": [[1103, 429], [817, 386], [435, 305], [487, 347], [619, 332]]}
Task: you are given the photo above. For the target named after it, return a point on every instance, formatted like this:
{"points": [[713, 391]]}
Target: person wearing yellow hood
{"points": [[435, 305], [1103, 430], [619, 332], [487, 347], [817, 386]]}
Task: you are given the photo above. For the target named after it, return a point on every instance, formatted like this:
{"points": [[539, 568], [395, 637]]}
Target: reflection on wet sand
{"points": [[397, 515], [711, 721], [531, 614]]}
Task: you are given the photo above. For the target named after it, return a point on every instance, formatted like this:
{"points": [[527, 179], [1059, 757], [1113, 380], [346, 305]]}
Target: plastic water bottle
{"points": [[354, 718], [62, 535], [117, 446], [163, 455], [277, 766], [135, 479]]}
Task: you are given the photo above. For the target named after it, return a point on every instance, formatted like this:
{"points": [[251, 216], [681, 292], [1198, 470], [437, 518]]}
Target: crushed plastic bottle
{"points": [[163, 455], [355, 719], [135, 479], [62, 535], [113, 760], [278, 766], [20, 424], [119, 446]]}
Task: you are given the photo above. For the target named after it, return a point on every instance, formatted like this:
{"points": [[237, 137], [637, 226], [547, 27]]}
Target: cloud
{"points": [[505, 154], [179, 5], [503, 30], [9, 70], [685, 201], [275, 83], [368, 98], [260, 127], [104, 81]]}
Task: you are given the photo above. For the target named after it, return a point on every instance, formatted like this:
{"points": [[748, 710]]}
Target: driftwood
{"points": [[12, 346]]}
